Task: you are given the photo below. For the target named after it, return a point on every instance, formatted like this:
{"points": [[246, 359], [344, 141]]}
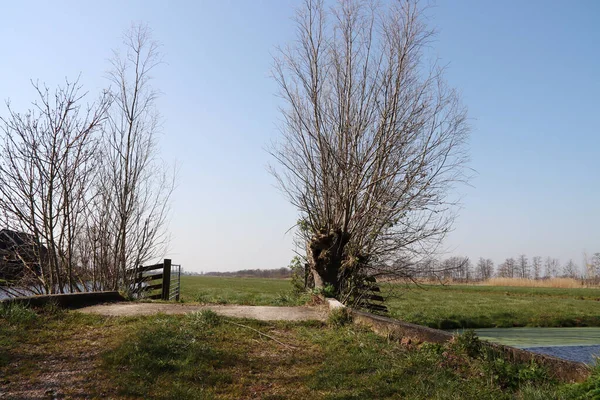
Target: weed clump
{"points": [[205, 319], [339, 317], [467, 354], [53, 309], [17, 314], [588, 390], [467, 343]]}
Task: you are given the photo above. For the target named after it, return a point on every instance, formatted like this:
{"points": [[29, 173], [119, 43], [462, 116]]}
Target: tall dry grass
{"points": [[549, 283], [565, 283]]}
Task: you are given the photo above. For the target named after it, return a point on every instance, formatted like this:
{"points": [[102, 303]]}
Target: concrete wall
{"points": [[70, 300], [563, 370]]}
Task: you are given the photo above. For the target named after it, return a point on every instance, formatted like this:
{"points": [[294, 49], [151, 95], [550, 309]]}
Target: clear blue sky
{"points": [[529, 71]]}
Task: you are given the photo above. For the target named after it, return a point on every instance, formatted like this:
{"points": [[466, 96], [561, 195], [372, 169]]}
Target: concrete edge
{"points": [[563, 370], [333, 303], [67, 300]]}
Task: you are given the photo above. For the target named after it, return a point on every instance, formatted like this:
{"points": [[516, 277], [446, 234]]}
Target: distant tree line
{"points": [[280, 273], [462, 269], [459, 268]]}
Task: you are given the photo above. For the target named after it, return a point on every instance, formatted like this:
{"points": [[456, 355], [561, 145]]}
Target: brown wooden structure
{"points": [[159, 281]]}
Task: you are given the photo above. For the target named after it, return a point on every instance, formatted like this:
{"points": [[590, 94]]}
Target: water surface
{"points": [[575, 344]]}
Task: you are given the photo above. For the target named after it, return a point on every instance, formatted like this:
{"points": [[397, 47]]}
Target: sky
{"points": [[528, 71]]}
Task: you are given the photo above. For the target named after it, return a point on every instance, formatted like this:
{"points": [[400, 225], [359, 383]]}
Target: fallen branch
{"points": [[261, 333]]}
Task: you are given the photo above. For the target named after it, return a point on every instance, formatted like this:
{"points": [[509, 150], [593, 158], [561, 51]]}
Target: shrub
{"points": [[298, 275], [511, 375], [467, 343]]}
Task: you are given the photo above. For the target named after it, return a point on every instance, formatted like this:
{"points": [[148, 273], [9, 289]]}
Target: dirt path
{"points": [[264, 313], [63, 368]]}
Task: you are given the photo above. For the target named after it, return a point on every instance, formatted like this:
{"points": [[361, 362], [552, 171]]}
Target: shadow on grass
{"points": [[171, 358]]}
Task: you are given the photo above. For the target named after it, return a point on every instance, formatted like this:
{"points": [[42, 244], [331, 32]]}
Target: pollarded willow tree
{"points": [[373, 140]]}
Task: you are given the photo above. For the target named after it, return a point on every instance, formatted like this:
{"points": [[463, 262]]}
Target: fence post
{"points": [[166, 279], [178, 283]]}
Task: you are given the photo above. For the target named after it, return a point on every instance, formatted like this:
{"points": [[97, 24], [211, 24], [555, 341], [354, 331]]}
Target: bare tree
{"points": [[536, 267], [588, 267], [484, 269], [135, 189], [428, 269], [552, 266], [523, 267], [461, 269], [507, 268], [570, 270], [372, 142], [455, 268], [594, 266], [47, 159]]}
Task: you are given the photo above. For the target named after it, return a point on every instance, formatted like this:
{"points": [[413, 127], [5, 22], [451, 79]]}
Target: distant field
{"points": [[251, 291], [444, 307], [449, 307]]}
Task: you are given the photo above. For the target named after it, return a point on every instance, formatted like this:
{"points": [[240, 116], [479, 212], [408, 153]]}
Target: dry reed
{"points": [[549, 283]]}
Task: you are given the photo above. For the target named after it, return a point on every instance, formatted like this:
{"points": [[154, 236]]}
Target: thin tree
{"points": [[594, 266], [552, 266], [523, 267], [570, 270], [373, 140], [536, 267], [489, 268], [135, 186]]}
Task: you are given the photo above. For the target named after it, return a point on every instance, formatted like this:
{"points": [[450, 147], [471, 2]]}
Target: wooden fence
{"points": [[146, 281]]}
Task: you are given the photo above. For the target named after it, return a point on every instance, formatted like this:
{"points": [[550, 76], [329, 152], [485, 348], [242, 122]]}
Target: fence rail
{"points": [[144, 281], [175, 287]]}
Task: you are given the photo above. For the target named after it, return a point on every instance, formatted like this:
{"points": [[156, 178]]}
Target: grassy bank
{"points": [[202, 356]]}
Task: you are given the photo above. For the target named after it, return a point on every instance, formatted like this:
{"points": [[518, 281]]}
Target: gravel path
{"points": [[264, 313]]}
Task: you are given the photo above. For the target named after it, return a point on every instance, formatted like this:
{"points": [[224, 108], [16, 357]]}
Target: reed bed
{"points": [[565, 283]]}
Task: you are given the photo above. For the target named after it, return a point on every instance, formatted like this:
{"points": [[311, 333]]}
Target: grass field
{"points": [[449, 307], [202, 356], [250, 291], [445, 307]]}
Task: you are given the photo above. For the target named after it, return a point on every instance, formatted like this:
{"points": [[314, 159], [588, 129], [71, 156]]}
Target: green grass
{"points": [[249, 291], [203, 356], [453, 307], [444, 307]]}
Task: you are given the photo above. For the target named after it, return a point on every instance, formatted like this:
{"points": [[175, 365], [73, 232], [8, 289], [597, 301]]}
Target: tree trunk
{"points": [[326, 251]]}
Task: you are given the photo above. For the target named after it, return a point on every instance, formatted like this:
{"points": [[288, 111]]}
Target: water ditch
{"points": [[574, 344]]}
